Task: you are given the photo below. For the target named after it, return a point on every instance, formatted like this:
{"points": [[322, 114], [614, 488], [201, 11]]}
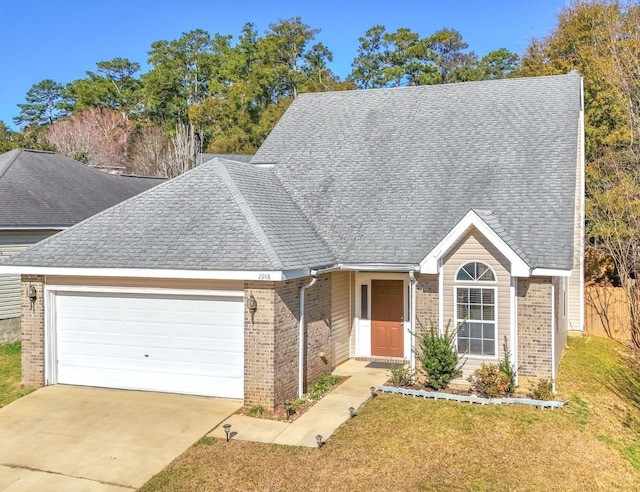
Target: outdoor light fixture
{"points": [[227, 429], [319, 440], [287, 408], [32, 293], [352, 412], [252, 306], [373, 391]]}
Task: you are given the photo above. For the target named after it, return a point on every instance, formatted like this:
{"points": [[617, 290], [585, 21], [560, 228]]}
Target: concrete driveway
{"points": [[75, 438]]}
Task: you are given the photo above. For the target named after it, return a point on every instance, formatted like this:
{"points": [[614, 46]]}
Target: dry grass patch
{"points": [[10, 374], [400, 443]]}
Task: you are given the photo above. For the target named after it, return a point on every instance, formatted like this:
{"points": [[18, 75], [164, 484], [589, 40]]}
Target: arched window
{"points": [[476, 310]]}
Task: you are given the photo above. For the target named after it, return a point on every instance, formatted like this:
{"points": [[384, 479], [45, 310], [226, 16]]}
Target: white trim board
{"points": [[151, 273], [430, 264]]}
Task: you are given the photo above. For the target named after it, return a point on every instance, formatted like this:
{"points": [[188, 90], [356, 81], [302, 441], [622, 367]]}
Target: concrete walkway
{"points": [[323, 418]]}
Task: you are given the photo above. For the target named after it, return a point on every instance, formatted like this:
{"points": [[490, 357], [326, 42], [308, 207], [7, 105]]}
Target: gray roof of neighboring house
{"points": [[374, 176], [384, 174], [222, 215], [43, 189]]}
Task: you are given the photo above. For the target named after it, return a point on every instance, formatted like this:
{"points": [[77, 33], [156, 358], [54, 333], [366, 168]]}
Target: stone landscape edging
{"points": [[436, 395]]}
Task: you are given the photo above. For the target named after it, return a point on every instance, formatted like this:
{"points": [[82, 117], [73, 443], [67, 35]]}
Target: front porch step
{"points": [[392, 361]]}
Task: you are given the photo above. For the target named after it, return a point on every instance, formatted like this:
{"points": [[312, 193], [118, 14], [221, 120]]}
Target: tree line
{"points": [[223, 94]]}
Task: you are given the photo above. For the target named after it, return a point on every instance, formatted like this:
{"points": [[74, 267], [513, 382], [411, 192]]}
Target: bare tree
{"points": [[149, 151], [184, 146], [614, 225], [97, 137]]}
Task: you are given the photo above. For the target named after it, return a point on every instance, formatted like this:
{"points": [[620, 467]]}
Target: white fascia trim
{"points": [[550, 272], [145, 273], [380, 267], [430, 264]]}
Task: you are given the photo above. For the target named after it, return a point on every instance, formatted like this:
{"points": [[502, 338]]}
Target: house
{"points": [[364, 217], [42, 193]]}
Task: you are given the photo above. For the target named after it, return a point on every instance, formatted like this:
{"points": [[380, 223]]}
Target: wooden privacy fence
{"points": [[606, 312]]}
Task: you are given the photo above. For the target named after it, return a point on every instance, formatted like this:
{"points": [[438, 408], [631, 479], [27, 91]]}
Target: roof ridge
{"points": [[507, 80], [248, 214], [6, 167]]}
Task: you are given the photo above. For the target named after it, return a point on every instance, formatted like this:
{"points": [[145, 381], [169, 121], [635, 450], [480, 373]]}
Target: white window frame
{"points": [[477, 284]]}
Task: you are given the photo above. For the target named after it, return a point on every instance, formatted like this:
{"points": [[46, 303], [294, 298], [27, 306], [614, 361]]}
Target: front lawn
{"points": [[400, 443], [10, 376]]}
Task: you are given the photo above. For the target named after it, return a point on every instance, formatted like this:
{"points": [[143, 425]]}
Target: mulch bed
{"points": [[279, 413]]}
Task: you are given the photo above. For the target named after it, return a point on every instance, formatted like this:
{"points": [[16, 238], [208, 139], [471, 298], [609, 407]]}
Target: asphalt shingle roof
{"points": [[223, 215], [377, 176], [43, 189], [383, 175]]}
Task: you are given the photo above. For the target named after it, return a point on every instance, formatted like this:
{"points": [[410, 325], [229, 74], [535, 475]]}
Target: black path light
{"points": [[373, 391], [352, 412], [227, 429], [319, 440]]}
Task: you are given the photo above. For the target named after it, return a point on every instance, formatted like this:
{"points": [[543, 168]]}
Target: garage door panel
{"points": [[160, 343]]}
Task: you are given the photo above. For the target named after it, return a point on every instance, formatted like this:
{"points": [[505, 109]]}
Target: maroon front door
{"points": [[387, 317]]}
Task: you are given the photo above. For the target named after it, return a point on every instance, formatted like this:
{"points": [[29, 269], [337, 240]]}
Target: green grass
{"points": [[400, 443], [10, 374]]}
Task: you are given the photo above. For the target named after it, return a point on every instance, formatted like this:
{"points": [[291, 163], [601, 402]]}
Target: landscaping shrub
{"points": [[439, 357], [322, 386], [256, 410], [542, 390], [489, 381], [401, 375], [506, 368]]}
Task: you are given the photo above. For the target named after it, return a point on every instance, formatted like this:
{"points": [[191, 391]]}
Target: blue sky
{"points": [[61, 39]]}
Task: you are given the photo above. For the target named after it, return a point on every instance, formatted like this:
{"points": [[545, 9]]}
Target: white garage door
{"points": [[191, 345]]}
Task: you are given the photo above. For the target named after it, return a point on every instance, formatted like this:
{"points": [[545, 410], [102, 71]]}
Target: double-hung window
{"points": [[476, 310]]}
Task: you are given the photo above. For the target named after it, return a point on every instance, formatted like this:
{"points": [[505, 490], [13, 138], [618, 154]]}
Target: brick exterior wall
{"points": [[259, 344], [32, 332], [534, 327], [426, 302], [271, 342]]}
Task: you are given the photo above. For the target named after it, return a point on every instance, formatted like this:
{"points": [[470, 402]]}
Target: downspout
{"points": [[412, 321], [553, 338], [301, 339]]}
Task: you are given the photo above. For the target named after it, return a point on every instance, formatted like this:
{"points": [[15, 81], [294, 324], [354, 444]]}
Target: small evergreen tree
{"points": [[439, 357], [507, 368]]}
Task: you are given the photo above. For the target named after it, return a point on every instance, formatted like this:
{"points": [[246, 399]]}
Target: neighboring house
{"points": [[42, 193], [204, 157], [364, 217]]}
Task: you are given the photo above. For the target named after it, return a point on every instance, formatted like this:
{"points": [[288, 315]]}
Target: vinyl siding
{"points": [[576, 281], [340, 316], [475, 247], [11, 243]]}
